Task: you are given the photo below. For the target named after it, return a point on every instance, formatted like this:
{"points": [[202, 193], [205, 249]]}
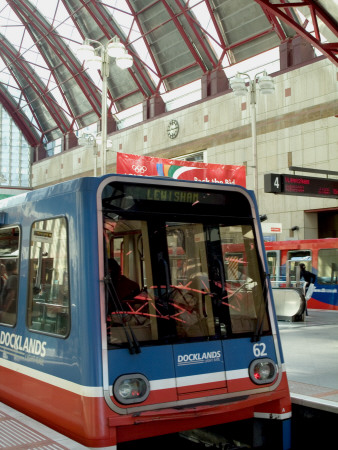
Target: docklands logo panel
{"points": [[18, 344], [199, 358]]}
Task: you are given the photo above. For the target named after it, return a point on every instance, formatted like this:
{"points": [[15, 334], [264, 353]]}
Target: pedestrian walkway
{"points": [[310, 351], [18, 431]]}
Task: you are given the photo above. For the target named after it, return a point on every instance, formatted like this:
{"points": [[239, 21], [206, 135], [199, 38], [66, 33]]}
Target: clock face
{"points": [[172, 129]]}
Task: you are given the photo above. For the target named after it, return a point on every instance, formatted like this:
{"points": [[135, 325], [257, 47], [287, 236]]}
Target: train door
{"points": [[294, 259], [326, 295]]}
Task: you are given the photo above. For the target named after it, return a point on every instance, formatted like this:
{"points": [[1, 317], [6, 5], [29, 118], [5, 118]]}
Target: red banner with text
{"points": [[180, 170]]}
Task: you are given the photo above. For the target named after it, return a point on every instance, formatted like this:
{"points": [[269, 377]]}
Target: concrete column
{"points": [[295, 51], [214, 82], [70, 141]]}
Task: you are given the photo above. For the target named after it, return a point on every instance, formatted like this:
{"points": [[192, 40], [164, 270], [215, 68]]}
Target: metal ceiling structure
{"points": [[49, 94]]}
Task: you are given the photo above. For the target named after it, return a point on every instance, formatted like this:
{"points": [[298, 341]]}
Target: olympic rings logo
{"points": [[139, 169]]}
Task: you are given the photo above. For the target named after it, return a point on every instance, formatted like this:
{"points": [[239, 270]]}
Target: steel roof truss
{"points": [[54, 42], [284, 11], [35, 84]]}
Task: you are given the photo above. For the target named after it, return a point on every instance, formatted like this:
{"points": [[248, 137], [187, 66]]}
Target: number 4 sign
{"points": [[273, 183]]}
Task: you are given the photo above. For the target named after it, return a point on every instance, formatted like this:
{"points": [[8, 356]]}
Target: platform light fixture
{"points": [[115, 48], [93, 62], [266, 86], [96, 55], [88, 140]]}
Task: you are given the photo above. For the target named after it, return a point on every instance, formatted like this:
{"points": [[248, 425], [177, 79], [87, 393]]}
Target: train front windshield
{"points": [[182, 265]]}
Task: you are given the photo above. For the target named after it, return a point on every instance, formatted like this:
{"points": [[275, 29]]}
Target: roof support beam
{"points": [[282, 11], [192, 24], [23, 73], [184, 36], [52, 46]]}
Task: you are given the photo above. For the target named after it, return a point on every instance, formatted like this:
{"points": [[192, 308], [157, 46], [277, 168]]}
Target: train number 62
{"points": [[259, 350]]}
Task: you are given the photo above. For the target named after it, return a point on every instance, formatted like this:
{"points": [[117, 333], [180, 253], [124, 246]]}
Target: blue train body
{"points": [[196, 345]]}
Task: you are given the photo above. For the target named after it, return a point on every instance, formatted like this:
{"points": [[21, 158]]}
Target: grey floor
{"points": [[310, 351]]}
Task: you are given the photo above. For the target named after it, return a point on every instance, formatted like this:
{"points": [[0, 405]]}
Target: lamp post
{"points": [[266, 86], [97, 56]]}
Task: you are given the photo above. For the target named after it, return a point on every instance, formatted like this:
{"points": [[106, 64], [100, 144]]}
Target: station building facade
{"points": [[297, 126]]}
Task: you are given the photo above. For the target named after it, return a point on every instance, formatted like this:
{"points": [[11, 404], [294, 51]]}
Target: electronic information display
{"points": [[300, 185]]}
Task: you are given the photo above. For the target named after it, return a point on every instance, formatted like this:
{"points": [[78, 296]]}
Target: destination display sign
{"points": [[167, 194], [300, 185]]}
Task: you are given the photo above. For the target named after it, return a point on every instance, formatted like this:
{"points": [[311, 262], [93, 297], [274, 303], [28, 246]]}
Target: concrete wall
{"points": [[297, 125]]}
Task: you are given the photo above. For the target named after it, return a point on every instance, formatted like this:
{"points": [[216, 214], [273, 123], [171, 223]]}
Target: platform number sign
{"points": [[273, 183]]}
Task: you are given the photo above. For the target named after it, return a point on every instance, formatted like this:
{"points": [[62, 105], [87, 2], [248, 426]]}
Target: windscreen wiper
{"points": [[218, 296], [165, 297], [260, 319]]}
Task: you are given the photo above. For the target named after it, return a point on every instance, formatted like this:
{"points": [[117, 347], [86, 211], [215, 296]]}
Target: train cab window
{"points": [[48, 305], [327, 266], [9, 274], [182, 287], [179, 287]]}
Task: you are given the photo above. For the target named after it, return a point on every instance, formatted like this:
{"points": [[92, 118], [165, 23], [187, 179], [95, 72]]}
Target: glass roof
{"points": [[172, 43]]}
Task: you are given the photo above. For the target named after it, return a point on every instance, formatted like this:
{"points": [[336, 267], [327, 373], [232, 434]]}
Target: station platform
{"points": [[310, 351], [18, 431]]}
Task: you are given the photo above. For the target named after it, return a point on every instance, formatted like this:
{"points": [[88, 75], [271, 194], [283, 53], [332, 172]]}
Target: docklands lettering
{"points": [[28, 345], [193, 358]]}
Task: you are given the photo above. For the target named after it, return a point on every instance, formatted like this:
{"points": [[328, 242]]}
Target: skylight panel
{"points": [[202, 14], [33, 56], [130, 116], [268, 61], [141, 50], [9, 82], [117, 5], [182, 96], [121, 14], [29, 113], [10, 26], [5, 76], [47, 8], [15, 92]]}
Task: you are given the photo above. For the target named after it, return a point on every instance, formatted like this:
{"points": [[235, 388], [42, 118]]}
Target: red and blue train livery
{"points": [[120, 318], [320, 257]]}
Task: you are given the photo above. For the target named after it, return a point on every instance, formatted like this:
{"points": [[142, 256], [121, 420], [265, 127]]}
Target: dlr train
{"points": [[119, 320], [320, 257]]}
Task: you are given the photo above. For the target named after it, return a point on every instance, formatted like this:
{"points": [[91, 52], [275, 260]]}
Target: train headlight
{"points": [[263, 371], [133, 388]]}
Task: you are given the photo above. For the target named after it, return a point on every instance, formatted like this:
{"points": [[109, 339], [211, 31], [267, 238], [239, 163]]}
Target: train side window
{"points": [[48, 305], [327, 266], [244, 291], [296, 257], [9, 275]]}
